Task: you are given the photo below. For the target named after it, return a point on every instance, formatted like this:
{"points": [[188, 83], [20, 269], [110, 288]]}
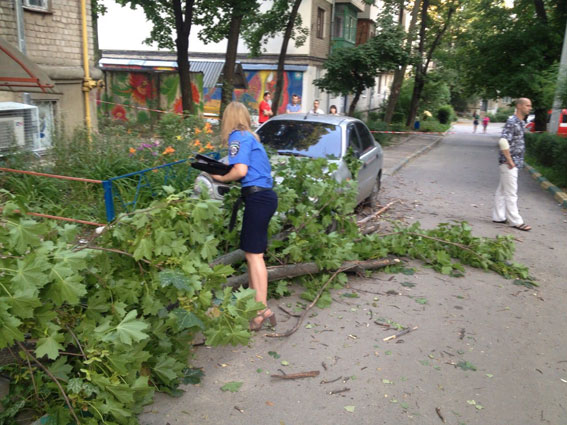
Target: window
{"points": [[320, 23], [41, 5], [338, 27], [366, 139]]}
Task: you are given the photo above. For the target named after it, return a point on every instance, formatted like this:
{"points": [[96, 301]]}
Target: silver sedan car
{"points": [[317, 136]]}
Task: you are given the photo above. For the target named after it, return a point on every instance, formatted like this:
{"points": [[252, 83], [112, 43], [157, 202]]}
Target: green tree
{"points": [[166, 15], [434, 21], [511, 51], [354, 69], [281, 17], [399, 74], [223, 19]]}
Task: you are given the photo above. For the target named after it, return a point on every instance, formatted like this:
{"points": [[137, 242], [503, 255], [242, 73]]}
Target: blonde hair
{"points": [[235, 117]]}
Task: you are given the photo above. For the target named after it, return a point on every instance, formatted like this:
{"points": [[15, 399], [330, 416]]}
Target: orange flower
{"points": [[168, 150], [155, 170], [209, 131], [202, 149], [197, 130], [207, 126], [209, 146], [132, 151], [197, 143]]}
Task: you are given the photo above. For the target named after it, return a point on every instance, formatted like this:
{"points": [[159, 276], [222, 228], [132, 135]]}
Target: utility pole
{"points": [[561, 85]]}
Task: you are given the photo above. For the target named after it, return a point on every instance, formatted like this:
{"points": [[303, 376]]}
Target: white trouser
{"points": [[506, 198]]}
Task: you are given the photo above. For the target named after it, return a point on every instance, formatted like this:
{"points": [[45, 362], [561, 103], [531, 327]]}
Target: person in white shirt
{"points": [[316, 110]]}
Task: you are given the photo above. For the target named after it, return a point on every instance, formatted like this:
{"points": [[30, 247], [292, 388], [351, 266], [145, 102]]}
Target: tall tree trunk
{"points": [[421, 69], [183, 29], [540, 11], [419, 78], [399, 74], [354, 102], [230, 61], [281, 59]]}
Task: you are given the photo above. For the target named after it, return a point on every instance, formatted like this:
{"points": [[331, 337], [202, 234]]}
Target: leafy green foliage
{"points": [[354, 69], [113, 320], [550, 154]]}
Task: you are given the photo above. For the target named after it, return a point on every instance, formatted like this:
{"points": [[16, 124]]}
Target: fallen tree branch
{"points": [[310, 374], [399, 334], [294, 270], [53, 378], [292, 330], [377, 213]]}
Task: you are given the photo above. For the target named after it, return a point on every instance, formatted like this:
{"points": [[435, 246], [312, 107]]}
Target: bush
{"points": [[432, 125], [549, 152], [501, 114], [445, 114]]}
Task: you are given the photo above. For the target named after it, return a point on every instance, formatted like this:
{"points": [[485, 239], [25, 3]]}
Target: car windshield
{"points": [[302, 138]]}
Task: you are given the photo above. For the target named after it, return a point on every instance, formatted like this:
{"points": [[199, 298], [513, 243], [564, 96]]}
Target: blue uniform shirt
{"points": [[243, 148]]}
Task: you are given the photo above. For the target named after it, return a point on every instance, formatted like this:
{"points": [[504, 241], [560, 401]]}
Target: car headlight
{"points": [[203, 184]]}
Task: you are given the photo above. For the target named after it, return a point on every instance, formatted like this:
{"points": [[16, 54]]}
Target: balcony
{"points": [[358, 4]]}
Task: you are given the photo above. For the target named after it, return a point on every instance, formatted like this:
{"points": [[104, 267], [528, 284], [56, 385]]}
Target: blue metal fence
{"points": [[143, 182]]}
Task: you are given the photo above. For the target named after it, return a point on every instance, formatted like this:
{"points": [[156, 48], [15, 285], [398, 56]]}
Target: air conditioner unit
{"points": [[19, 126]]}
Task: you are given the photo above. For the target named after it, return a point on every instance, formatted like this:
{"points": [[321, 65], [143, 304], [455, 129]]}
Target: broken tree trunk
{"points": [[294, 270]]}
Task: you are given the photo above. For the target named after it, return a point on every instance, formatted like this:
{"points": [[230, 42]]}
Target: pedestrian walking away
{"points": [[265, 110], [511, 158], [475, 122], [485, 122], [251, 167]]}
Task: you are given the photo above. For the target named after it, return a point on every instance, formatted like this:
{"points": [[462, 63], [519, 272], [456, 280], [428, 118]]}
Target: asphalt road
{"points": [[513, 336]]}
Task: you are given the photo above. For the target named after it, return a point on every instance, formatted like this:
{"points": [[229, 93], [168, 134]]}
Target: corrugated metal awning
{"points": [[211, 69], [19, 74]]}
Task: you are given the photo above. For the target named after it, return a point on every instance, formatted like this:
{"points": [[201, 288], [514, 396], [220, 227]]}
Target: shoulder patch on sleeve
{"points": [[234, 148]]}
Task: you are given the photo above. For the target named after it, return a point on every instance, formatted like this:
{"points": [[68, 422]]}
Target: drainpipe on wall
{"points": [[19, 9], [88, 83]]}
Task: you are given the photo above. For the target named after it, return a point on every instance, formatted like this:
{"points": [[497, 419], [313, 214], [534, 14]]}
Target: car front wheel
{"points": [[373, 198]]}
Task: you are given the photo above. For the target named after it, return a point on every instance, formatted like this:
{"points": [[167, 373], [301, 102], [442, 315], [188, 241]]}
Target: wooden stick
{"points": [[399, 334], [377, 213], [310, 374]]}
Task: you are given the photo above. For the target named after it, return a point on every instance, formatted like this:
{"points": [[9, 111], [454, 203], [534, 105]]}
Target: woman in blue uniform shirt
{"points": [[251, 167]]}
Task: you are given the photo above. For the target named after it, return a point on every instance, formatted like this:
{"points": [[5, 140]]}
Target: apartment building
{"points": [[47, 36], [331, 24]]}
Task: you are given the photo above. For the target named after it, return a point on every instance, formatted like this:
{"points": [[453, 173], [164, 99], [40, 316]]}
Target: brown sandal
{"points": [[524, 227], [265, 314]]}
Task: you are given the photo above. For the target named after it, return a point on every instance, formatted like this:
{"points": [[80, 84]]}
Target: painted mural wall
{"points": [[258, 83], [140, 97]]}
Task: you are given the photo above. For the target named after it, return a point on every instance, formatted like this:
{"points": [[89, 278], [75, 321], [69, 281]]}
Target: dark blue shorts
{"points": [[259, 207]]}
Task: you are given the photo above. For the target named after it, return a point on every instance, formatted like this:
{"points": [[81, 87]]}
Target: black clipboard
{"points": [[210, 165]]}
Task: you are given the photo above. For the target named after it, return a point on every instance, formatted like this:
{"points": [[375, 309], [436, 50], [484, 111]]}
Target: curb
{"points": [[414, 155], [558, 195]]}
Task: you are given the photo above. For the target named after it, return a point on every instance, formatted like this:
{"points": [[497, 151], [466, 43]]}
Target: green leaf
{"points": [[9, 328], [31, 271], [350, 409], [274, 354], [24, 234], [66, 287], [421, 300], [168, 369], [61, 369], [22, 303], [192, 376], [129, 329], [49, 346], [232, 386], [144, 249], [176, 279], [187, 319], [466, 366]]}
